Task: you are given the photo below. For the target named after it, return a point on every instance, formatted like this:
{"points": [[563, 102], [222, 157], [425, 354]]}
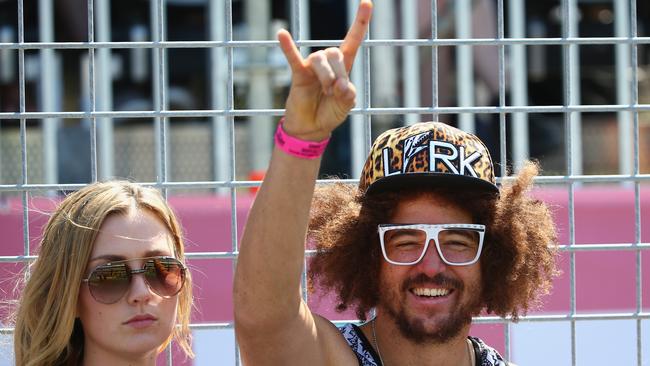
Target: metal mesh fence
{"points": [[191, 112]]}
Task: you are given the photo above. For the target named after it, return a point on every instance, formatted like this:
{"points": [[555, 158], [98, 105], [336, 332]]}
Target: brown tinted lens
{"points": [[165, 275], [108, 283]]}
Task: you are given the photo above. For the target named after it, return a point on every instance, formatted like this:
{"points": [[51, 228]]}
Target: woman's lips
{"points": [[141, 321]]}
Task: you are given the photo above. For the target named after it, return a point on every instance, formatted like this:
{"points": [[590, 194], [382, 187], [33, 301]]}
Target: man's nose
{"points": [[431, 264]]}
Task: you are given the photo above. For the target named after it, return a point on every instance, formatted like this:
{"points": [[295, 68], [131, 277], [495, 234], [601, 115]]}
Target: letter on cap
{"points": [[446, 158], [466, 161]]}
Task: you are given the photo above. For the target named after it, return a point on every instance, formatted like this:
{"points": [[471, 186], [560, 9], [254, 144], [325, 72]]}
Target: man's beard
{"points": [[448, 328]]}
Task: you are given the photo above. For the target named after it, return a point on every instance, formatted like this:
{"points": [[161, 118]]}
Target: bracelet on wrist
{"points": [[297, 147]]}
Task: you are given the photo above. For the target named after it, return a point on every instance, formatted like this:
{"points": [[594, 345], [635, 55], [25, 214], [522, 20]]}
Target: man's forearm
{"points": [[272, 248]]}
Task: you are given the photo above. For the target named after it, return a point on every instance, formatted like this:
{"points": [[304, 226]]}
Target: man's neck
{"points": [[395, 349]]}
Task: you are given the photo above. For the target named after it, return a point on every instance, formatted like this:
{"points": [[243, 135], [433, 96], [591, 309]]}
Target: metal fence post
{"points": [[260, 88], [464, 65], [384, 59], [519, 80], [104, 90], [358, 143], [411, 64], [218, 92], [623, 80], [49, 98]]}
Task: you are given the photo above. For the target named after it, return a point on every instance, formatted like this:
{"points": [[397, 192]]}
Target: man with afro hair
{"points": [[425, 242]]}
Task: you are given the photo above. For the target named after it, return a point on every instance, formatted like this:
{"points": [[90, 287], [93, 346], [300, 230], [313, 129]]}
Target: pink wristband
{"points": [[297, 147]]}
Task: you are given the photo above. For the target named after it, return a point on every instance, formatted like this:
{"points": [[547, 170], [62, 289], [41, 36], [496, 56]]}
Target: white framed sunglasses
{"points": [[457, 244]]}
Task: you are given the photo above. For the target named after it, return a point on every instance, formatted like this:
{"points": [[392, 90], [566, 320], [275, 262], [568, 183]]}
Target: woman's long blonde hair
{"points": [[47, 331]]}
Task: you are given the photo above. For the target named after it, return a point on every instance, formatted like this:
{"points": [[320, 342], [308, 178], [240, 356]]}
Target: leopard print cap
{"points": [[428, 153]]}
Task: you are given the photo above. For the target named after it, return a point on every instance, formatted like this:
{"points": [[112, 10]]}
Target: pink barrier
{"points": [[605, 280]]}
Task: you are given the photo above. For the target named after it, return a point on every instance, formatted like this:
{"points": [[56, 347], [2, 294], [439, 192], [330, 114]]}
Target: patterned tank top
{"points": [[367, 356]]}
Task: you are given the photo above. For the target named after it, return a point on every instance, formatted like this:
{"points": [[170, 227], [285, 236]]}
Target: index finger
{"points": [[356, 33]]}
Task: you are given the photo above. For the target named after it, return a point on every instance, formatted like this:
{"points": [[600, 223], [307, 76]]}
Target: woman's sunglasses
{"points": [[109, 282]]}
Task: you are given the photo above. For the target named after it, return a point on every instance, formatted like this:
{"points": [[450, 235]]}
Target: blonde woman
{"points": [[110, 284]]}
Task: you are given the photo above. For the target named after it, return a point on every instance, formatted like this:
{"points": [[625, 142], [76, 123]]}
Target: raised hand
{"points": [[321, 94]]}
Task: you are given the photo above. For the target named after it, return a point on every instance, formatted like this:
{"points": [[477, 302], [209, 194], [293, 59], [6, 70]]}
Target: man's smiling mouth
{"points": [[430, 292]]}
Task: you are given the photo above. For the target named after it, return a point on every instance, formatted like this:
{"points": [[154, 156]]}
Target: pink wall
{"points": [[605, 279]]}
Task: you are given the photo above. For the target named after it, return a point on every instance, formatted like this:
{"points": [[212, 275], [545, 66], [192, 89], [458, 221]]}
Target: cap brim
{"points": [[430, 180]]}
